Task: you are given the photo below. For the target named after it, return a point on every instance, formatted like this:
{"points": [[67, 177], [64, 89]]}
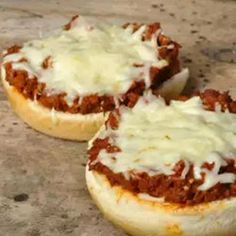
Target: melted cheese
{"points": [[90, 59], [153, 137]]}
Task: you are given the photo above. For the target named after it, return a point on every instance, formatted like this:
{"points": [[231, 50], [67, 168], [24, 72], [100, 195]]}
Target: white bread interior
{"points": [[150, 217], [174, 86]]}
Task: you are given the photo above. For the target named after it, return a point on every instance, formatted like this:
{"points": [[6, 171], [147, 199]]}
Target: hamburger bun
{"points": [[167, 168], [61, 85], [140, 216], [66, 125], [51, 122]]}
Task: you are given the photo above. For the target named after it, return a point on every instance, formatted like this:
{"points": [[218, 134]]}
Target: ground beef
{"points": [[32, 89], [69, 25], [213, 100], [173, 188]]}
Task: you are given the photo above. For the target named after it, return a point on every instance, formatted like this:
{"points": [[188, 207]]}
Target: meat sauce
{"points": [[172, 188]]}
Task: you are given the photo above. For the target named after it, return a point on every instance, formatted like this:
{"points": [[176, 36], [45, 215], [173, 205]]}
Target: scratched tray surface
{"points": [[42, 184]]}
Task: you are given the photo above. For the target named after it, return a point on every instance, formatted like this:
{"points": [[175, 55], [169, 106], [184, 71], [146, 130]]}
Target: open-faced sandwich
{"points": [[168, 168], [63, 85]]}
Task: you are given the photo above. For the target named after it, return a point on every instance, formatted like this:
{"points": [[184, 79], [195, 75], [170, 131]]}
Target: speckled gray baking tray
{"points": [[42, 184]]}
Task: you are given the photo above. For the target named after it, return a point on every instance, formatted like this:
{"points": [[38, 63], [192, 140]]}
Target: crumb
{"points": [[187, 60], [21, 197], [154, 6], [194, 31], [64, 216], [202, 37]]}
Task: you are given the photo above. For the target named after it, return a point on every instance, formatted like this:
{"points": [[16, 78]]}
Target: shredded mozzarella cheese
{"points": [[90, 59], [154, 137]]}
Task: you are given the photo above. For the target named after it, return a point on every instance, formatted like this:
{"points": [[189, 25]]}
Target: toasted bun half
{"points": [[66, 125], [140, 216], [57, 124]]}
